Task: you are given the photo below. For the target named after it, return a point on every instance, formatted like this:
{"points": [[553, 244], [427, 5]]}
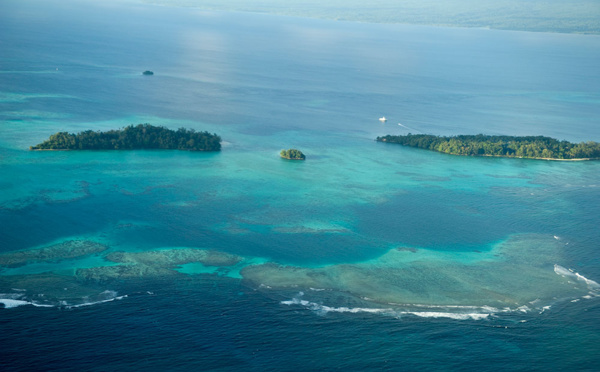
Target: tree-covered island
{"points": [[531, 147], [141, 136], [292, 154]]}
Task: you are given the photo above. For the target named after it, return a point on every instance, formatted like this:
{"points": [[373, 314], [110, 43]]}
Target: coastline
{"points": [[432, 143], [500, 156], [124, 150], [50, 150], [287, 158], [521, 157]]}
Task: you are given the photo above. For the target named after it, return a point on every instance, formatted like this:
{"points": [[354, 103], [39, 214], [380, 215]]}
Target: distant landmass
{"points": [[292, 154], [141, 136], [574, 16], [530, 147], [147, 72]]}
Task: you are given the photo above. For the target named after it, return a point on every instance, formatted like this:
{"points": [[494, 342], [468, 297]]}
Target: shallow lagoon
{"points": [[353, 200], [359, 227]]}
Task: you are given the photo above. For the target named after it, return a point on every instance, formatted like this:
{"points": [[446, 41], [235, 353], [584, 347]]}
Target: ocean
{"points": [[366, 256]]}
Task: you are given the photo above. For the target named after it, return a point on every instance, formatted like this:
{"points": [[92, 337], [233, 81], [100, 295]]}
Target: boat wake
{"points": [[404, 126]]}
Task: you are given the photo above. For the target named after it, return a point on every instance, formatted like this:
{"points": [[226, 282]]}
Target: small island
{"points": [[141, 136], [292, 154], [529, 147], [147, 72]]}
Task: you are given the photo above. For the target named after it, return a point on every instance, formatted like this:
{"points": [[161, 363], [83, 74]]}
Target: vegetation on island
{"points": [[292, 154], [533, 147], [147, 72], [141, 136]]}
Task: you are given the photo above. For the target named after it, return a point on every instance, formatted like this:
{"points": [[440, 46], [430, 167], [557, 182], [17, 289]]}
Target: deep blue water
{"points": [[222, 326], [265, 83]]}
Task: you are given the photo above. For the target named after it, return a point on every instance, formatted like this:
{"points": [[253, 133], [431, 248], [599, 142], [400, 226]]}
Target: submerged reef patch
{"points": [[158, 263], [107, 273], [88, 285], [61, 251], [175, 257], [515, 273], [520, 274]]}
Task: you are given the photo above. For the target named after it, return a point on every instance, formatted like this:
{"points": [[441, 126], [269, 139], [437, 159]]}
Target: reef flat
{"points": [[61, 251], [158, 263], [83, 285], [520, 272], [175, 257]]}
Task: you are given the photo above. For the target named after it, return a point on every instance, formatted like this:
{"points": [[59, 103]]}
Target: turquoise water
{"points": [[362, 242]]}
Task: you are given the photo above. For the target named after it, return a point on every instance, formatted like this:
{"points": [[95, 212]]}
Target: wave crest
{"points": [[592, 285], [12, 300], [324, 309]]}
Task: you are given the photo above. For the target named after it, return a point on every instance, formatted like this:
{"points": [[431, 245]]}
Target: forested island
{"points": [[531, 147], [292, 154], [141, 136]]}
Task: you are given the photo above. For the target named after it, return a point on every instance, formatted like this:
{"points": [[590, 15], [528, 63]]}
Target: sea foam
{"points": [[12, 300], [92, 302], [324, 309], [11, 303], [592, 285], [105, 296], [458, 316]]}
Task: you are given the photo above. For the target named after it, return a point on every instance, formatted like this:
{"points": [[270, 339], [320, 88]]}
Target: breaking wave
{"points": [[592, 285], [108, 297], [324, 309], [12, 300], [10, 303]]}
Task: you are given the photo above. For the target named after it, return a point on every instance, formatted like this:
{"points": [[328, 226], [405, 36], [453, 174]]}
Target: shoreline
{"points": [[499, 156], [286, 158], [50, 150], [522, 157], [124, 150], [462, 146]]}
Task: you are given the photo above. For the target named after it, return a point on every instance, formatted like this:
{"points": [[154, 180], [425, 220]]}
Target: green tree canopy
{"points": [[292, 154], [537, 147], [141, 136]]}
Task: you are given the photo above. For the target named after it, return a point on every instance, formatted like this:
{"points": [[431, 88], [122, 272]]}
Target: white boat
{"points": [[382, 119]]}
